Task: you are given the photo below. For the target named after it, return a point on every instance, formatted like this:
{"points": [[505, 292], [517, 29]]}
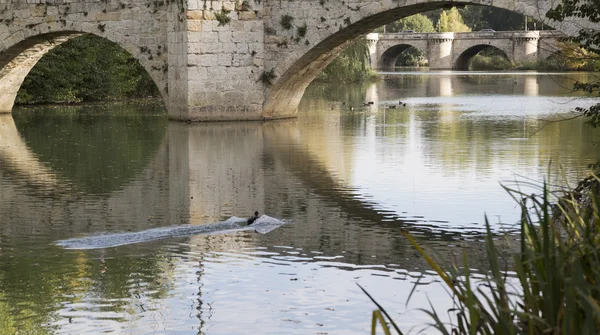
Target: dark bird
{"points": [[252, 219], [371, 103]]}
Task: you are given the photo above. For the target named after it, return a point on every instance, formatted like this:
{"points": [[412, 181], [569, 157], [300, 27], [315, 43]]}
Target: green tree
{"points": [[482, 17], [452, 21], [588, 39], [418, 23]]}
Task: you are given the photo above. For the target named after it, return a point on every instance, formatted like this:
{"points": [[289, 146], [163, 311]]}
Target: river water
{"points": [[337, 184]]}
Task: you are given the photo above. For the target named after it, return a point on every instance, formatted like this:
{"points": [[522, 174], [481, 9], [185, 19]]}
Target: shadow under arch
{"points": [[297, 70], [17, 60], [463, 60], [388, 59]]}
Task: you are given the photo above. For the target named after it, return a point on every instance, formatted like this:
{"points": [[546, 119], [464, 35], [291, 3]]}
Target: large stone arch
{"points": [[389, 56], [31, 30], [464, 57], [297, 65]]}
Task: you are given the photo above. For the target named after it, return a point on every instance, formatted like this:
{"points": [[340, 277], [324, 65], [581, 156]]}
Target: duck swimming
{"points": [[252, 219]]}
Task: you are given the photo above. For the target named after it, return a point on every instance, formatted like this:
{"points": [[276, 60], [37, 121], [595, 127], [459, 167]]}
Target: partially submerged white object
{"points": [[263, 225]]}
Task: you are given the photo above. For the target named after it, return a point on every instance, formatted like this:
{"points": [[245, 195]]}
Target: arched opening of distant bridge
{"points": [[464, 59], [402, 55]]}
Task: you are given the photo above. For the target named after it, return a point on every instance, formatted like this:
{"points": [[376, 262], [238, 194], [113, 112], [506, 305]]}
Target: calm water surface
{"points": [[349, 178]]}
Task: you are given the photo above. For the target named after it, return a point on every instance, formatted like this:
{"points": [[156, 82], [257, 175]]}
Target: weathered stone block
{"points": [[209, 15], [203, 36], [246, 16], [228, 5], [195, 15], [194, 25], [204, 48]]}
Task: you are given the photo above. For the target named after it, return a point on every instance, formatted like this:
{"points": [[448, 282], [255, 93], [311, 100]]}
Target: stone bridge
{"points": [[453, 51], [216, 60]]}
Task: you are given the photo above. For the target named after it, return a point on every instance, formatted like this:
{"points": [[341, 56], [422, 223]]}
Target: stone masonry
{"points": [[447, 51], [215, 60]]}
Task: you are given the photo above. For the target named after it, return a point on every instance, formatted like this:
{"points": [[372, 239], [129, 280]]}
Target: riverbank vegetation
{"points": [[351, 66], [552, 286], [86, 69], [490, 63], [571, 57]]}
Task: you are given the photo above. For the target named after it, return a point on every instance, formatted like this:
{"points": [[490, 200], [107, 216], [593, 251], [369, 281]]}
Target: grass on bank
{"points": [[557, 271]]}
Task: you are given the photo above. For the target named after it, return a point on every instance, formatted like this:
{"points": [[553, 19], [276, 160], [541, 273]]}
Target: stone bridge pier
{"points": [[216, 60]]}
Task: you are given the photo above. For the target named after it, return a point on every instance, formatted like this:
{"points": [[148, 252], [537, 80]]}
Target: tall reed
{"points": [[556, 274]]}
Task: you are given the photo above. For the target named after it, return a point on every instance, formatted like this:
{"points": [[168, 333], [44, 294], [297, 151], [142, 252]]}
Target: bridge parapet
{"points": [[402, 36]]}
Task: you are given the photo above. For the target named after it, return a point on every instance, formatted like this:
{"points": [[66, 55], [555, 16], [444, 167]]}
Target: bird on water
{"points": [[252, 219]]}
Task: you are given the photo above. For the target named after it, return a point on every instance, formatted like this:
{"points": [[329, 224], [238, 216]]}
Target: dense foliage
{"points": [[85, 69], [485, 17], [590, 40], [352, 65], [489, 60], [554, 287], [557, 271], [418, 23], [452, 21]]}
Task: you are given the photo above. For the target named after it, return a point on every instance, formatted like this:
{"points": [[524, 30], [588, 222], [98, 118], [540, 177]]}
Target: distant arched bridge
{"points": [[447, 51], [214, 59]]}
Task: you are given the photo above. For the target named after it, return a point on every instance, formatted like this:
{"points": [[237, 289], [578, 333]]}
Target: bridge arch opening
{"points": [[496, 56], [18, 61], [401, 55], [297, 70]]}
